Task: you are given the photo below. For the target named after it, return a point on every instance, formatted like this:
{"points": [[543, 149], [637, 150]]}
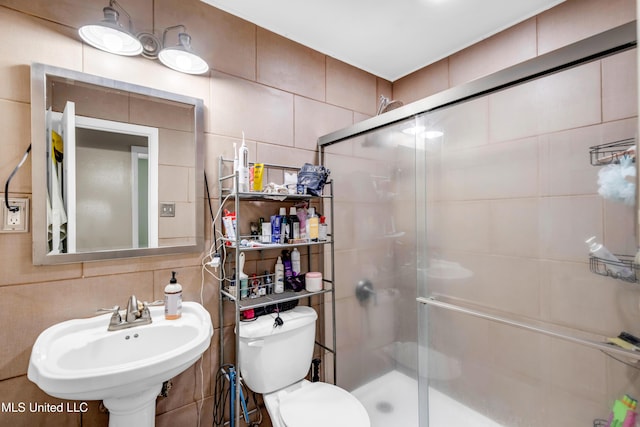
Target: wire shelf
{"points": [[612, 152], [626, 269]]}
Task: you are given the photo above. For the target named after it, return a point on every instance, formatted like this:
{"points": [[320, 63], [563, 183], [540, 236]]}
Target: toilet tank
{"points": [[273, 358]]}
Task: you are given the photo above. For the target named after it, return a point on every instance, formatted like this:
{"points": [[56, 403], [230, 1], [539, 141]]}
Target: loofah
{"points": [[615, 181]]}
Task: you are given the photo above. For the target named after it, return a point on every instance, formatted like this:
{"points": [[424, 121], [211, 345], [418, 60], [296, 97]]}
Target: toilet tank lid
{"points": [[262, 327]]}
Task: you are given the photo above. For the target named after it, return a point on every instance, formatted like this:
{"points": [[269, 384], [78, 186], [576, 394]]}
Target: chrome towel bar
{"points": [[607, 348]]}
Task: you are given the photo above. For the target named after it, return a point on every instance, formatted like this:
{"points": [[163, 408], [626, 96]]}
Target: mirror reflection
{"points": [[121, 169]]}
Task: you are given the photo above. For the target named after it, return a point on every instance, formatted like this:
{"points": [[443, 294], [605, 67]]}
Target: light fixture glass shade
{"points": [[181, 58], [110, 36]]}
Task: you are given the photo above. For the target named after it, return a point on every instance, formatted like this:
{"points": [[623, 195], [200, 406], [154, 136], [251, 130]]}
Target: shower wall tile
{"points": [[619, 226], [565, 223], [422, 83], [560, 101], [350, 87], [575, 20], [571, 370], [263, 113], [509, 47], [463, 225], [290, 66], [314, 119], [466, 125], [281, 155], [620, 86], [514, 227], [564, 169], [575, 297]]}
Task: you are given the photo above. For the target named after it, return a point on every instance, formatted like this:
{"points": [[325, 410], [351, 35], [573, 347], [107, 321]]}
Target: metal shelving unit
{"points": [[227, 183]]}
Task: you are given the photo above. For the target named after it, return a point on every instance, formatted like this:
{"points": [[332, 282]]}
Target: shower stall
{"points": [[464, 294]]}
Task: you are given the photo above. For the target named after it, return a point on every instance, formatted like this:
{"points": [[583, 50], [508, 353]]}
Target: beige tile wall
{"points": [[281, 94]]}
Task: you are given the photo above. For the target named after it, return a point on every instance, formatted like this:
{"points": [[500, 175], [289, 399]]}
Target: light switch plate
{"points": [[167, 209], [15, 219]]}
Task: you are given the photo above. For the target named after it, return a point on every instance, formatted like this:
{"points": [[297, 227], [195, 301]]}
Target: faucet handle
{"points": [[114, 310], [115, 318]]}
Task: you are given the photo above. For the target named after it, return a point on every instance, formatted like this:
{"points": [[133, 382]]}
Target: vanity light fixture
{"points": [[181, 57], [109, 34]]}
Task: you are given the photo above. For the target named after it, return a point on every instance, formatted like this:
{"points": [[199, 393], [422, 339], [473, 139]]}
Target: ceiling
{"points": [[388, 38]]}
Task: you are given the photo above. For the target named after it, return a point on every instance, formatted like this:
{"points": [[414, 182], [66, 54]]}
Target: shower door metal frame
{"points": [[590, 49]]}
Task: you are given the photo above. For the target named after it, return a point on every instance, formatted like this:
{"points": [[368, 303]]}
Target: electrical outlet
{"points": [[15, 219]]}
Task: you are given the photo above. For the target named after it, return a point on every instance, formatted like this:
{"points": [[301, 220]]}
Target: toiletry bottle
{"points": [[288, 270], [266, 231], [285, 228], [614, 265], [312, 225], [302, 217], [243, 167], [268, 284], [282, 215], [242, 277], [173, 299], [295, 261], [258, 168], [275, 228], [232, 284], [278, 287], [323, 229], [294, 224]]}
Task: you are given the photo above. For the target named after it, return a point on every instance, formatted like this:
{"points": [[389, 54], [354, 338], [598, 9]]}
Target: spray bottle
{"points": [[278, 286]]}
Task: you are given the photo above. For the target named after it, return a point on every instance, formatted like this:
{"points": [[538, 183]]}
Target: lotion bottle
{"points": [[295, 261], [173, 299], [278, 286]]}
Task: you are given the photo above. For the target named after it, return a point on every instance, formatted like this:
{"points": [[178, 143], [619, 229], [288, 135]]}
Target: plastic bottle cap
{"points": [[292, 210], [312, 211], [283, 211], [173, 277]]}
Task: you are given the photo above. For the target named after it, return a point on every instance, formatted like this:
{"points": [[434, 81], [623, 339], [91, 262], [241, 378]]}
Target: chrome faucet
{"points": [[137, 314]]}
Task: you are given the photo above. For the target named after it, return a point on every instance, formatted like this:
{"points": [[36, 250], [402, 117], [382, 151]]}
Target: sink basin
{"points": [[80, 360]]}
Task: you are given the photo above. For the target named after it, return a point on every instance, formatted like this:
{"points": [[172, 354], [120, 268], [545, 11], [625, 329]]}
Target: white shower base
{"points": [[392, 400]]}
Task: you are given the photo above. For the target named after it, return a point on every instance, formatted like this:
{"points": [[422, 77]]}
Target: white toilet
{"points": [[275, 360]]}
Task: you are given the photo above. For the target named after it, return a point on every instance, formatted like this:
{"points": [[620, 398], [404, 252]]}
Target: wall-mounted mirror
{"points": [[117, 169]]}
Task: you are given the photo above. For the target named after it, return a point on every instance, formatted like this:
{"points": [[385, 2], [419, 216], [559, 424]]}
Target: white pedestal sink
{"points": [[80, 360]]}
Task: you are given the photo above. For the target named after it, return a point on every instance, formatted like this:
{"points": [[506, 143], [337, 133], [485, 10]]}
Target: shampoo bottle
{"points": [[295, 261], [278, 287], [173, 299]]}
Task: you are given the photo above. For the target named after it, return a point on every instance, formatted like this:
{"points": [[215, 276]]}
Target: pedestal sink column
{"points": [[137, 410]]}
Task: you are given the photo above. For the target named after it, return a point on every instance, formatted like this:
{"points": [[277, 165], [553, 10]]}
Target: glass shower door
{"points": [[505, 199], [375, 265]]}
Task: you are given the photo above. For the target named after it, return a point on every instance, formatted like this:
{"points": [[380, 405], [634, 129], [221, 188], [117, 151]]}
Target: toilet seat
{"points": [[320, 405]]}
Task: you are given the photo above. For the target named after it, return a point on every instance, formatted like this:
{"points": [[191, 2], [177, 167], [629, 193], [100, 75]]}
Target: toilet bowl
{"points": [[307, 404], [274, 361]]}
